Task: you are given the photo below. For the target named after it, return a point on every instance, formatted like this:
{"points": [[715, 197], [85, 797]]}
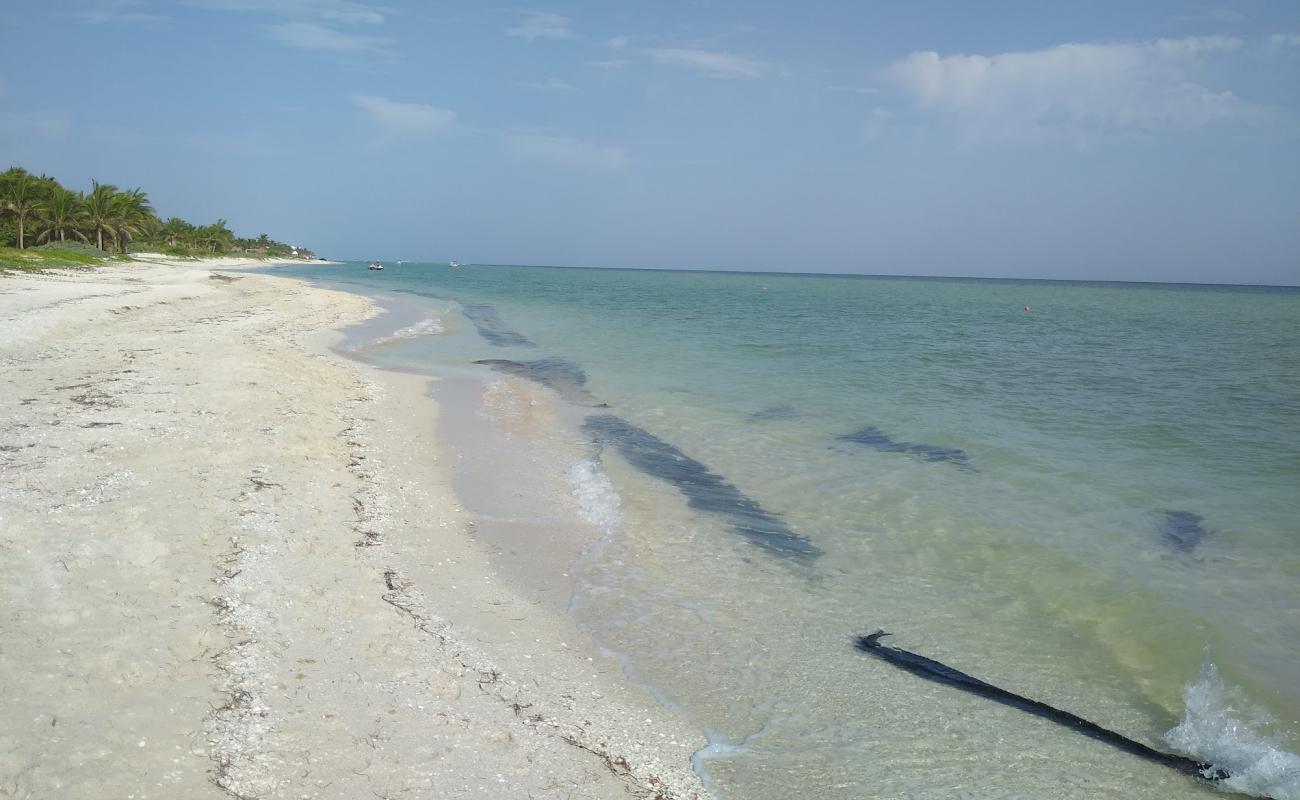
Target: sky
{"points": [[1153, 141]]}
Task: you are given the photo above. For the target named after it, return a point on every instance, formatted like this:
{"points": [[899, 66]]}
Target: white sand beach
{"points": [[232, 565]]}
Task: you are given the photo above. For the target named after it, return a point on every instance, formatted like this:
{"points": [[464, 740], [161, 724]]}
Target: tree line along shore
{"points": [[41, 222]]}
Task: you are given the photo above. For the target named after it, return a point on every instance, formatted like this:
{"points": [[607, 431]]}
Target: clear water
{"points": [[1042, 564]]}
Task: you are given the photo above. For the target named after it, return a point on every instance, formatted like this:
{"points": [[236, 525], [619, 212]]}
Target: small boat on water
{"points": [[453, 264], [375, 265]]}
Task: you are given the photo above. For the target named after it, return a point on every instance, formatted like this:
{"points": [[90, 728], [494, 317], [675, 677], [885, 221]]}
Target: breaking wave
{"points": [[1221, 727]]}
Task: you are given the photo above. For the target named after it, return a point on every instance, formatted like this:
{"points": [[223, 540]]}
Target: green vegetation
{"points": [[38, 258], [39, 211]]}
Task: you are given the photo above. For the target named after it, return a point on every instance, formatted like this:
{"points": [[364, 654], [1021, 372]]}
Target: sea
{"points": [[1085, 493]]}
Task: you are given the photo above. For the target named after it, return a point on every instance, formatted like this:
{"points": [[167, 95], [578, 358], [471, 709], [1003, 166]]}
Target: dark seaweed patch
{"points": [[1182, 530], [565, 377], [492, 328], [705, 490], [877, 439], [780, 411], [938, 672]]}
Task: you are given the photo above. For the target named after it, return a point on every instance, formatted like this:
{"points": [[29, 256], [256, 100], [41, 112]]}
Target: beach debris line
{"points": [[873, 437], [932, 670]]}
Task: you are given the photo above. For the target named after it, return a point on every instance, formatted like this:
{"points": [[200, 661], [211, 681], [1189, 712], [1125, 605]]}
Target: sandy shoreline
{"points": [[233, 565]]}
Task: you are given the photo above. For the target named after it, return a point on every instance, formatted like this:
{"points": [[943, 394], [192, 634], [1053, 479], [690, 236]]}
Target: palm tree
{"points": [[21, 198], [60, 213], [215, 236], [101, 212], [133, 215], [174, 230]]}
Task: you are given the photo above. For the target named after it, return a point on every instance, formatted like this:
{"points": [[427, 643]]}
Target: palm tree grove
{"points": [[37, 211]]}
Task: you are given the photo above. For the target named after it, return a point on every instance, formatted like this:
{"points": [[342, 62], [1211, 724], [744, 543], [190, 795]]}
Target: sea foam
{"points": [[430, 326], [1219, 726], [595, 494], [425, 327]]}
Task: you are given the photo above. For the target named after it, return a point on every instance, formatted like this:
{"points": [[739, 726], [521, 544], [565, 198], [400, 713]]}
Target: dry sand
{"points": [[231, 565]]}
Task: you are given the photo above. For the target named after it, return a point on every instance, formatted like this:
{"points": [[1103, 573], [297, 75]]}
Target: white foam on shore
{"points": [[720, 746], [430, 326], [595, 494], [1220, 727]]}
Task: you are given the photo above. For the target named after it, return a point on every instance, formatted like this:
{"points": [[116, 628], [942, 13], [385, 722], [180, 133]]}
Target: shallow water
{"points": [[996, 486]]}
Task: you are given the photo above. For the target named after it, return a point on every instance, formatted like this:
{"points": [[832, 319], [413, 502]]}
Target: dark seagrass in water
{"points": [[492, 328], [1182, 530], [565, 377], [935, 671], [704, 489], [877, 439]]}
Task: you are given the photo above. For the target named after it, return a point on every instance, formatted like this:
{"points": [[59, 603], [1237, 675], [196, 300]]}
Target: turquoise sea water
{"points": [[1056, 554]]}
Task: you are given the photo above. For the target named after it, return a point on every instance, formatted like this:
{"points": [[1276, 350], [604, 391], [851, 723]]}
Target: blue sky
{"points": [[1127, 141]]}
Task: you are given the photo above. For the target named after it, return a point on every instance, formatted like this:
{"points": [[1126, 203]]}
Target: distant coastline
{"points": [[37, 212], [14, 261]]}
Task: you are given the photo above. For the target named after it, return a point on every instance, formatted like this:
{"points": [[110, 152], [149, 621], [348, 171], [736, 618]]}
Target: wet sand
{"points": [[233, 565]]}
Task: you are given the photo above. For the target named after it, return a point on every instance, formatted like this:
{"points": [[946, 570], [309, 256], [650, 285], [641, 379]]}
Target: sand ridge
{"points": [[232, 565]]}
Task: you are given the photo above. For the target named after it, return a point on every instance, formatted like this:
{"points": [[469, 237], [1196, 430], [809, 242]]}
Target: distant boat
{"points": [[375, 265], [453, 264]]}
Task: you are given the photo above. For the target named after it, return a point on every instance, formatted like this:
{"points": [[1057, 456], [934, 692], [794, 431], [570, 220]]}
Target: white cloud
{"points": [[311, 36], [99, 16], [618, 42], [541, 25], [1216, 15], [35, 124], [611, 63], [853, 89], [566, 151], [347, 12], [878, 124], [399, 120], [1284, 40], [119, 12], [323, 25], [711, 63], [548, 85], [1071, 88]]}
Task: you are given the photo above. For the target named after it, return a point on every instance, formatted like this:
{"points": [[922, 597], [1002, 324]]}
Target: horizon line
{"points": [[729, 271]]}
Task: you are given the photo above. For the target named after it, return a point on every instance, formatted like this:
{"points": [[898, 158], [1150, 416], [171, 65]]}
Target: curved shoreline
{"points": [[229, 635]]}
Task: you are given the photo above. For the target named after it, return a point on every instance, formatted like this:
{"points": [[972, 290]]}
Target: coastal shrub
{"points": [[176, 250], [36, 259], [75, 247]]}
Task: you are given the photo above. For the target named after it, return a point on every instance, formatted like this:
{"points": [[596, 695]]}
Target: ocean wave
{"points": [[1221, 727], [431, 326]]}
